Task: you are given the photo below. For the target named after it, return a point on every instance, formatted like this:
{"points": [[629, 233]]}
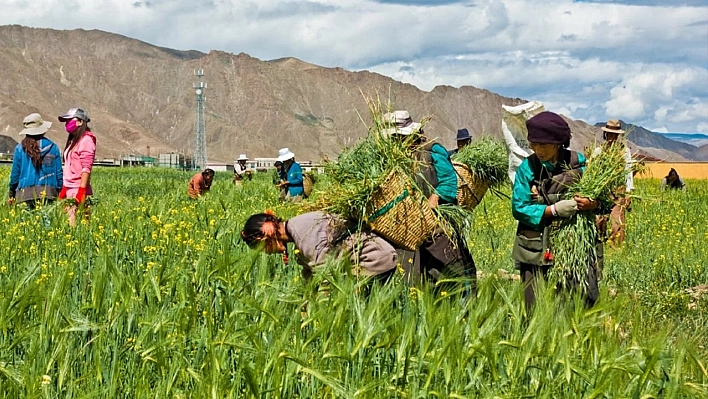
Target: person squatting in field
{"points": [[317, 236], [439, 257], [200, 183], [36, 175], [672, 181], [79, 154], [540, 184]]}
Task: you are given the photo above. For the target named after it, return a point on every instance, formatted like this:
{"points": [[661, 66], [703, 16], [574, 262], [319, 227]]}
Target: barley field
{"points": [[157, 297]]}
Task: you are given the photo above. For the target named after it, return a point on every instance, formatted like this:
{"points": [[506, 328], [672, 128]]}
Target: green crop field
{"points": [[157, 297]]}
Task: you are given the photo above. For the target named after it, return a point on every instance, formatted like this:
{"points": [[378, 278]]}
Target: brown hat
{"points": [[613, 126]]}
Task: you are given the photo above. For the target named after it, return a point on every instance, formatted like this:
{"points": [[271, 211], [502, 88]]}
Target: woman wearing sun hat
{"points": [[439, 256], [36, 165], [79, 154], [292, 171], [242, 171]]}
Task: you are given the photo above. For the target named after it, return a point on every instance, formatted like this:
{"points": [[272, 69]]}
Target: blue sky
{"points": [[645, 62]]}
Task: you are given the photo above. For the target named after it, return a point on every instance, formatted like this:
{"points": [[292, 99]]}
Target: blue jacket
{"points": [[25, 175], [294, 179]]}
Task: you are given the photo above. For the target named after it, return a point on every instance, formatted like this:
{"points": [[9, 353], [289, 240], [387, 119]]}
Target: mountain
{"points": [[140, 95], [694, 139], [658, 145]]}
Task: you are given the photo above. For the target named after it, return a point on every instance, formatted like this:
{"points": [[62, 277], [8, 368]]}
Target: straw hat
{"points": [[242, 157], [613, 126], [34, 125]]}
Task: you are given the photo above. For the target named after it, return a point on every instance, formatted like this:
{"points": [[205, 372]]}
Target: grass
{"points": [[157, 297]]}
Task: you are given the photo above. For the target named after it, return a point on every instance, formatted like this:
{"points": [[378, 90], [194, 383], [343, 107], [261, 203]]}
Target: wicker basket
{"points": [[470, 188], [400, 214], [308, 181]]}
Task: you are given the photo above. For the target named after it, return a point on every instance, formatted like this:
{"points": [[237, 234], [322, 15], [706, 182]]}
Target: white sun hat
{"points": [[35, 125], [284, 154], [242, 157], [401, 123]]}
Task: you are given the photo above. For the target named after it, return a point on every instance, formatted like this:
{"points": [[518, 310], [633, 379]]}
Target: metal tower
{"points": [[200, 151]]}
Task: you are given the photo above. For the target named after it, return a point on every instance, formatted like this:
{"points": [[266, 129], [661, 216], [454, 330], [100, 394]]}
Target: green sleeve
{"points": [[523, 207], [447, 177]]}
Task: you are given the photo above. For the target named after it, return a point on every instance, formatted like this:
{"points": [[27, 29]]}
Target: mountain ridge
{"points": [[141, 95]]}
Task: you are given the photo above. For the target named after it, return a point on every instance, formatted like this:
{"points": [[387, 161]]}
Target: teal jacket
{"points": [[523, 207], [294, 179], [447, 177]]}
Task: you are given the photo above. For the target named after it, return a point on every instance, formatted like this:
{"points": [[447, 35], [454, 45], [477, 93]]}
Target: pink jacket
{"points": [[79, 160]]}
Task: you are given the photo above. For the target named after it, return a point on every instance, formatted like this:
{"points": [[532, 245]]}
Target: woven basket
{"points": [[470, 188], [308, 181], [400, 214]]}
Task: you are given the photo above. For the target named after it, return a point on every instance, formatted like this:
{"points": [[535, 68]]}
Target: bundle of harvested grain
{"points": [[574, 239], [374, 183], [479, 165]]}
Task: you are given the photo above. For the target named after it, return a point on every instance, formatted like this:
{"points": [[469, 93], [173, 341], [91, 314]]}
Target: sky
{"points": [[645, 62]]}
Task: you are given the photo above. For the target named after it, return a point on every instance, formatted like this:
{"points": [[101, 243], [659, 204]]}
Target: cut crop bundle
{"points": [[374, 186], [479, 165], [574, 239]]}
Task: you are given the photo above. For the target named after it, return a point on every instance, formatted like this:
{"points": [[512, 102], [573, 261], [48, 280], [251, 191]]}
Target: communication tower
{"points": [[200, 153]]}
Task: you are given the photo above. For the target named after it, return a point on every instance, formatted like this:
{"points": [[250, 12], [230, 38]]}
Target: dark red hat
{"points": [[548, 128]]}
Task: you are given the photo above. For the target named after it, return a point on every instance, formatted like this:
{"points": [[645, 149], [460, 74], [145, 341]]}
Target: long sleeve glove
{"points": [[565, 208], [81, 195], [62, 193]]}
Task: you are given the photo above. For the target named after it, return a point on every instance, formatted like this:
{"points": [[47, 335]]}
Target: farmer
{"points": [[277, 178], [317, 236], [241, 171], [79, 154], [438, 255], [672, 181], [200, 183], [36, 175], [611, 133], [292, 175], [541, 181], [463, 138]]}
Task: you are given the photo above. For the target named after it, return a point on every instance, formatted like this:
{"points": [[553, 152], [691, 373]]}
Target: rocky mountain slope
{"points": [[141, 95], [658, 144]]}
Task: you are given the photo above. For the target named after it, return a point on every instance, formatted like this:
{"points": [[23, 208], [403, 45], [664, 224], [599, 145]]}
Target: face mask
{"points": [[71, 126]]}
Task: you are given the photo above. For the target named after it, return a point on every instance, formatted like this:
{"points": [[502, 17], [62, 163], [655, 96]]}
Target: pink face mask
{"points": [[71, 126]]}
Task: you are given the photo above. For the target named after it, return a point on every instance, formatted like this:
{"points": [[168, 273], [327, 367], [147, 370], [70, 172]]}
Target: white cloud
{"points": [[702, 127], [593, 60], [661, 129]]}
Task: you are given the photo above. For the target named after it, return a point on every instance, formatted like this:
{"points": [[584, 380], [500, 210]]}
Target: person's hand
{"points": [[81, 195], [535, 196], [433, 201], [62, 193], [565, 208], [585, 204], [11, 201]]}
